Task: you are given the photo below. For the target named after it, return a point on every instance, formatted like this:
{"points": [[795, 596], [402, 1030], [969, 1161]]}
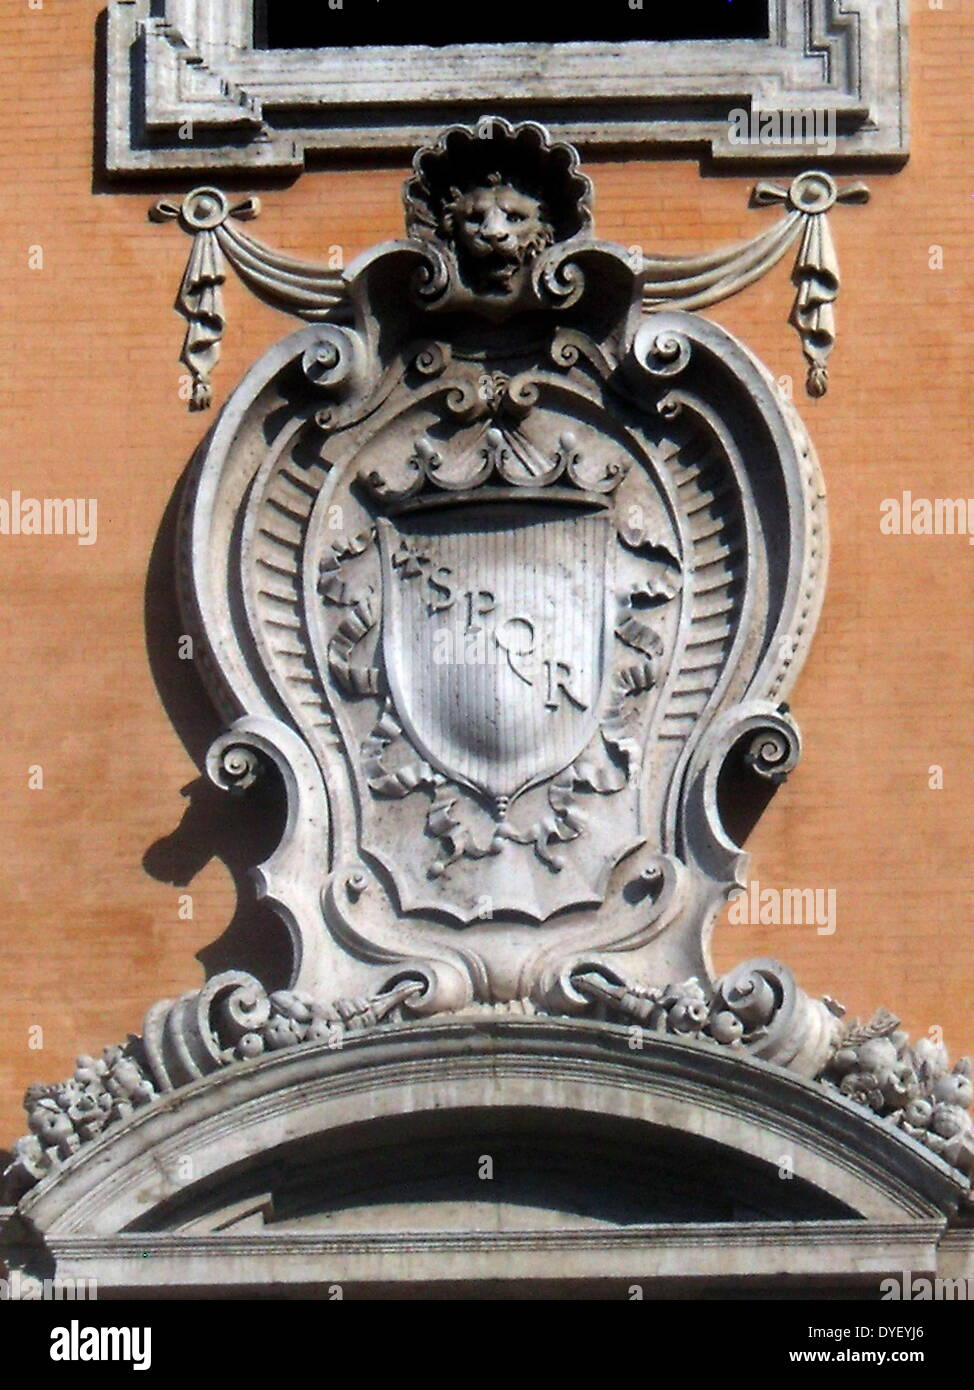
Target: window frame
{"points": [[188, 91]]}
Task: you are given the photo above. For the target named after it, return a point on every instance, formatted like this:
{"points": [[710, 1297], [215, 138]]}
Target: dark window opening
{"points": [[296, 24]]}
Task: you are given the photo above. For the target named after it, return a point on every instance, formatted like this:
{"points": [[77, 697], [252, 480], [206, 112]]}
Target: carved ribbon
{"points": [[297, 287], [354, 678]]}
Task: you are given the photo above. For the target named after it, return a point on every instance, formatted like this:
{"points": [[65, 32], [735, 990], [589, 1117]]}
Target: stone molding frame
{"points": [[187, 91]]}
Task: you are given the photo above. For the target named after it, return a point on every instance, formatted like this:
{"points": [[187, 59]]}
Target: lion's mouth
{"points": [[498, 267]]}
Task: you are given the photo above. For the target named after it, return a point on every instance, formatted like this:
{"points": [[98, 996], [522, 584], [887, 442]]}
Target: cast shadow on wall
{"points": [[240, 831]]}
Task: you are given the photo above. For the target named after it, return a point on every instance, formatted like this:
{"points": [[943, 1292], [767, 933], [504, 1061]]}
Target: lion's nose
{"points": [[495, 228]]}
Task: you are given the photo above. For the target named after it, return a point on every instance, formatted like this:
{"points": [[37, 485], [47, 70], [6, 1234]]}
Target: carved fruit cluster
{"points": [[685, 1009], [295, 1018], [914, 1086], [64, 1116]]}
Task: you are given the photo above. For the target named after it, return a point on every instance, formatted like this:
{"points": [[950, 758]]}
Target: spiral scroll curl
{"points": [[234, 767], [558, 279], [773, 752], [329, 362], [432, 358], [661, 354], [431, 279]]}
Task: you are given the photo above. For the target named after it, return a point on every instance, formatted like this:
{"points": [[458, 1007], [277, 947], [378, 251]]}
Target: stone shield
{"points": [[496, 636]]}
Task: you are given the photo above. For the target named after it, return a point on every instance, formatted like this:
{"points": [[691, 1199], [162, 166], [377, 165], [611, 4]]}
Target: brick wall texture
{"points": [[90, 926]]}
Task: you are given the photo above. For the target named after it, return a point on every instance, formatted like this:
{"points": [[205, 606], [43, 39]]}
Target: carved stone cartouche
{"points": [[498, 573], [497, 576]]}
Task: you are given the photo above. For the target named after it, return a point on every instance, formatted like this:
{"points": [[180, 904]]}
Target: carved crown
{"points": [[501, 465]]}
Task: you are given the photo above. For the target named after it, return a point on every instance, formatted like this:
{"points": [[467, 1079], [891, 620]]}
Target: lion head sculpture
{"points": [[496, 196], [494, 231]]}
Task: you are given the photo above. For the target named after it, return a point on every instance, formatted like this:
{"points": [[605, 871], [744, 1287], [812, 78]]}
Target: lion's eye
{"points": [[515, 217]]}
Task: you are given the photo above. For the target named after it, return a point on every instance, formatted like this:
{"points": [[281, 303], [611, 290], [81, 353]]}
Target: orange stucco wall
{"points": [[90, 928]]}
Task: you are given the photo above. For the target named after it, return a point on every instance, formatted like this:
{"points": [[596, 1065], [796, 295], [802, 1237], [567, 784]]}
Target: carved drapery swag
{"points": [[309, 291], [498, 574], [317, 294]]}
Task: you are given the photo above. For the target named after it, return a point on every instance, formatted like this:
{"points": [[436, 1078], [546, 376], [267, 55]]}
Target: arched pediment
{"points": [[367, 1162]]}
